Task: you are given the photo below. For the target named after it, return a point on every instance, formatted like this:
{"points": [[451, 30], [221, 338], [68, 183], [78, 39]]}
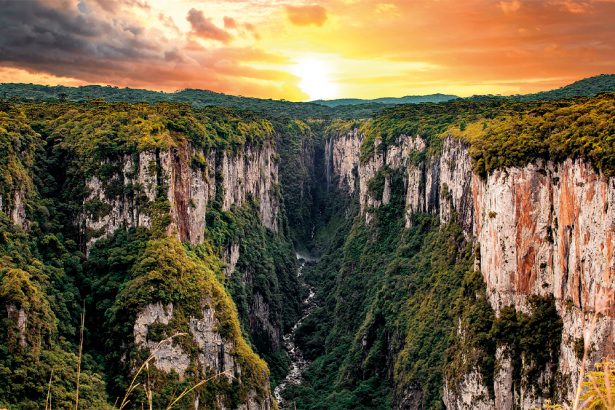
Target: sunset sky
{"points": [[302, 50]]}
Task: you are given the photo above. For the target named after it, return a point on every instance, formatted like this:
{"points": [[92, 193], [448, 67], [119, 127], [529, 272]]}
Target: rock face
{"points": [[20, 318], [543, 229], [190, 181], [16, 210], [549, 229], [213, 353], [471, 394], [433, 185], [189, 185], [342, 160]]}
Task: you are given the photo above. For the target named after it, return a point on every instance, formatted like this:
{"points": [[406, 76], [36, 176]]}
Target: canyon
{"points": [[193, 253]]}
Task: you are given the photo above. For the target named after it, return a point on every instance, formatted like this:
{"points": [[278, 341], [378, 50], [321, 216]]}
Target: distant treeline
{"points": [[342, 108]]}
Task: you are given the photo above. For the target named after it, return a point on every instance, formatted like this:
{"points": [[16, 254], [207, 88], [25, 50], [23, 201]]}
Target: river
{"points": [[297, 362]]}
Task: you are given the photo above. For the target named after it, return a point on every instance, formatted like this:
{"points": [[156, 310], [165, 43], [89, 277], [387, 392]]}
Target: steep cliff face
{"points": [[545, 229], [194, 183], [175, 310], [436, 185], [215, 354], [548, 229], [188, 178]]}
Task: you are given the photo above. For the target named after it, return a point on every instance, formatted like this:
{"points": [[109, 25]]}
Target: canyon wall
{"points": [[183, 184], [213, 352], [545, 229], [190, 187]]}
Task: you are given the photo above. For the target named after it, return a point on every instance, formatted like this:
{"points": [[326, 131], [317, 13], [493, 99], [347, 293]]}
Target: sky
{"points": [[303, 50]]}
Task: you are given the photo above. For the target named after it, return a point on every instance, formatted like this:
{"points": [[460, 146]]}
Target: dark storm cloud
{"points": [[66, 38]]}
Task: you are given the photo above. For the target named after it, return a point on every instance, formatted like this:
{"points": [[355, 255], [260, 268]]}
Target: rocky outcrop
{"points": [[231, 256], [542, 229], [549, 229], [342, 161], [189, 179], [18, 213], [470, 393], [431, 184], [560, 224], [259, 322], [168, 356], [16, 209], [19, 317], [254, 173], [210, 352]]}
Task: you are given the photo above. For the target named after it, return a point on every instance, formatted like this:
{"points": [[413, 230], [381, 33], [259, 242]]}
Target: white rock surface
{"points": [[542, 229], [253, 172], [213, 352]]}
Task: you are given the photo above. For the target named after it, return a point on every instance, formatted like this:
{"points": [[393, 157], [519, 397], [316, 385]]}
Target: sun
{"points": [[315, 78]]}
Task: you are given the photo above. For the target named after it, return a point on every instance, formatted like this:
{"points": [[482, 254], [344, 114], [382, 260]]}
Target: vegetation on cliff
{"points": [[38, 331], [45, 278], [581, 128], [385, 316], [390, 298], [165, 272], [263, 283], [501, 133]]}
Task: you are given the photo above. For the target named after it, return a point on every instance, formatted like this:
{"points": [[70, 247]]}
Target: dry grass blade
{"points": [[598, 393], [148, 390], [586, 346], [80, 356], [609, 370], [133, 384], [48, 398], [202, 382]]}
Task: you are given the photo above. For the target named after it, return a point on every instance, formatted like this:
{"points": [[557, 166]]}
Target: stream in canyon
{"points": [[297, 361]]}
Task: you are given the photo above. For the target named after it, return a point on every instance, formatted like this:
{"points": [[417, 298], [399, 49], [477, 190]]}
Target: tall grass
{"points": [[146, 386]]}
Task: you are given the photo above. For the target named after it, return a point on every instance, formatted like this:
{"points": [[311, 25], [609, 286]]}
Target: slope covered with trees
{"points": [[390, 294]]}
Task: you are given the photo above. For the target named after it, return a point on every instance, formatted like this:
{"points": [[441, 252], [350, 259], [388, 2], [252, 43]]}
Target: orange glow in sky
{"points": [[303, 50]]}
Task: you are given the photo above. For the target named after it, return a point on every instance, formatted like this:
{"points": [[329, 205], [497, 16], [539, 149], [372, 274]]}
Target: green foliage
{"points": [[476, 347], [18, 145], [375, 186], [385, 309], [428, 120], [159, 212], [24, 300], [167, 273], [24, 380], [344, 108], [265, 273], [409, 99], [275, 109], [587, 87], [36, 335], [535, 337], [582, 128], [501, 133], [100, 132]]}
